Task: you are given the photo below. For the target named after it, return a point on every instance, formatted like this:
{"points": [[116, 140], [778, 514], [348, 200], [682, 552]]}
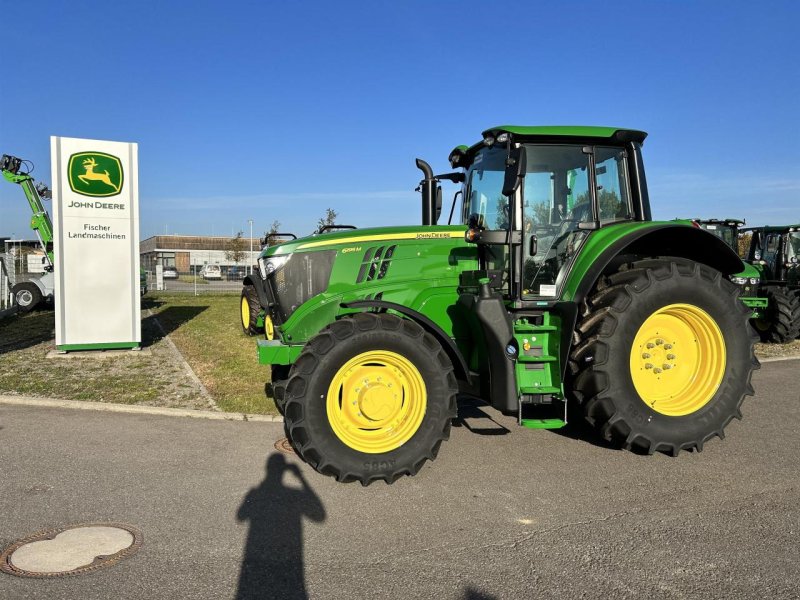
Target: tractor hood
{"points": [[749, 271], [331, 241]]}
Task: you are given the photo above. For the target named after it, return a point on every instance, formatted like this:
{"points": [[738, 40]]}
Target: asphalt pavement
{"points": [[504, 512]]}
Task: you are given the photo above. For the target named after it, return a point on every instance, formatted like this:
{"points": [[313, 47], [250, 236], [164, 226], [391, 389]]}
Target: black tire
{"points": [[27, 296], [250, 296], [600, 363], [306, 421], [276, 388], [781, 323]]}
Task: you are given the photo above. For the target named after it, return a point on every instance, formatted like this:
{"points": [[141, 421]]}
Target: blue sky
{"points": [[264, 111]]}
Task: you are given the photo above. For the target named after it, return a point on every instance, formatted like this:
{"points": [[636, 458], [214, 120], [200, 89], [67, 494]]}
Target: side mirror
{"points": [[515, 170], [533, 246]]}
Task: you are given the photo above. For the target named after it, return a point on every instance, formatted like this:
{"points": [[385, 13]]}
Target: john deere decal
{"points": [[95, 174]]}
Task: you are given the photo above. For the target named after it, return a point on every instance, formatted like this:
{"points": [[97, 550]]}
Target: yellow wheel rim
{"points": [[376, 401], [245, 313], [677, 360], [269, 328]]}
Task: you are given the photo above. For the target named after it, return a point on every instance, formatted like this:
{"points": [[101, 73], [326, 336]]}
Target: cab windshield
{"points": [[793, 246], [556, 201]]}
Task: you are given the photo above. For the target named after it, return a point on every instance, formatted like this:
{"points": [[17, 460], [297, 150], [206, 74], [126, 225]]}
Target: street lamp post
{"points": [[250, 262]]}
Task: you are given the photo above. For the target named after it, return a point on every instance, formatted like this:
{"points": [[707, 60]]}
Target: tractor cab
{"points": [[559, 189], [725, 229], [777, 251]]}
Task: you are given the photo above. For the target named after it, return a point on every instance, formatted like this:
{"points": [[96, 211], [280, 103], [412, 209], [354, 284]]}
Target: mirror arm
{"points": [[453, 207]]}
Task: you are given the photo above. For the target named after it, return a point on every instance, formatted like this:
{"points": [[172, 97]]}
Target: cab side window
{"points": [[613, 187]]}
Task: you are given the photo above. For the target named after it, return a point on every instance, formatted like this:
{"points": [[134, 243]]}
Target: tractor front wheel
{"points": [[250, 309], [665, 356], [371, 397], [781, 323]]}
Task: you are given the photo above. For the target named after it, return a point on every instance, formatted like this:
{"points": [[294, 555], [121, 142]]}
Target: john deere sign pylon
{"points": [[96, 221]]}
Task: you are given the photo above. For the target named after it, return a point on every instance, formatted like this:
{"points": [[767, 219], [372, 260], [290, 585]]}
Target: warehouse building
{"points": [[188, 254]]}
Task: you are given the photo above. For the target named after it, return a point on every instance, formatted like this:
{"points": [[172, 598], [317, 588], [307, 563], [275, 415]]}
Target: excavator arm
{"points": [[40, 221]]}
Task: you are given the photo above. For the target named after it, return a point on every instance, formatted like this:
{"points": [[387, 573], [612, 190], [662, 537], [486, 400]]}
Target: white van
{"points": [[211, 272]]}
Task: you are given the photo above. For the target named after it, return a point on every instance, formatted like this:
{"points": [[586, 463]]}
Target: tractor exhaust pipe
{"points": [[428, 188]]}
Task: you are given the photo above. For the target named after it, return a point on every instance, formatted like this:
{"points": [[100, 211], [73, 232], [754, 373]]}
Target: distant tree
{"points": [[328, 219], [236, 248], [501, 213], [744, 243], [270, 235]]}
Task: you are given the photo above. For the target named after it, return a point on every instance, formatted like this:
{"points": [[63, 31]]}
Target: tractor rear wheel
{"points": [[371, 397], [250, 308], [27, 296], [664, 357], [781, 323]]}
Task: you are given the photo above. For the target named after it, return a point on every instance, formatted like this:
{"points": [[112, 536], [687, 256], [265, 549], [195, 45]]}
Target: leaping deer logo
{"points": [[89, 164]]}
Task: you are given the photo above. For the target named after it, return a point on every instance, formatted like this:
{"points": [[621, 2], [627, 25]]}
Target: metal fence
{"points": [[5, 282], [227, 281]]}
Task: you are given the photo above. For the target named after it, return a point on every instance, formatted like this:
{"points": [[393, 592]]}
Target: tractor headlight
{"points": [[754, 280], [739, 280], [268, 265]]}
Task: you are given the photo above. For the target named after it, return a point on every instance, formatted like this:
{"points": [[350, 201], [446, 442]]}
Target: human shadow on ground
{"points": [[272, 565], [19, 331], [159, 325], [474, 415], [472, 594]]}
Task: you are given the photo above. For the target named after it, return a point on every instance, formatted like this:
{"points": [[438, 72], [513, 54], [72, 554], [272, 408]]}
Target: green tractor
{"points": [[749, 280], [556, 286], [775, 253]]}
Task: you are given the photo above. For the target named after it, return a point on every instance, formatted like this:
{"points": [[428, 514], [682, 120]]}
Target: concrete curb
{"points": [[779, 358], [142, 410]]}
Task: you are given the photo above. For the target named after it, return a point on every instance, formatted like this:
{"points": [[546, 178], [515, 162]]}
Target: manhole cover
{"points": [[71, 550], [284, 446]]}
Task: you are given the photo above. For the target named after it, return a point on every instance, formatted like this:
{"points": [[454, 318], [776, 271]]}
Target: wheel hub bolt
{"points": [[670, 357], [651, 345], [666, 366], [648, 366], [667, 346], [659, 342], [656, 370], [646, 355]]}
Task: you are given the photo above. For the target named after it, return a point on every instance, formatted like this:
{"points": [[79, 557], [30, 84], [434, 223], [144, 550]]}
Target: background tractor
{"points": [[556, 286], [775, 253], [753, 293]]}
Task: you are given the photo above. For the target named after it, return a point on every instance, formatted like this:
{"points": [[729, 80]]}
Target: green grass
{"points": [[207, 332], [130, 378], [205, 329]]}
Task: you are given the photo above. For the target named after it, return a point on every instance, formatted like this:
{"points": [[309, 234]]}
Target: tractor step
{"points": [[540, 390], [531, 358], [543, 423]]}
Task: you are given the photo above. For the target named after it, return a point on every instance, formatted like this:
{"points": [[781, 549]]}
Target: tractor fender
{"points": [[449, 346], [258, 285], [668, 239]]}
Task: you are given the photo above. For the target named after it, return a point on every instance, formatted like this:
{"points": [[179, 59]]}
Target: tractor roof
{"points": [[730, 222], [551, 133], [775, 228]]}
